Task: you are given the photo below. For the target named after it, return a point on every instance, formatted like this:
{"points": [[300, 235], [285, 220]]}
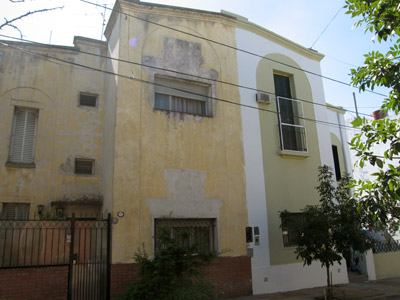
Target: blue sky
{"points": [[300, 21]]}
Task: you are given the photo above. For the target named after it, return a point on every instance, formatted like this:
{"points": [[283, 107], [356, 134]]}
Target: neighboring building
{"points": [[143, 130], [383, 261], [51, 133], [283, 151]]}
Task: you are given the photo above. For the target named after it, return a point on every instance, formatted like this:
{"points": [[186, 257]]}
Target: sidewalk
{"points": [[377, 290]]}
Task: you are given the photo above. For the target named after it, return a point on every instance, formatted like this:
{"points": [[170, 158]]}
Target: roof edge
{"points": [[245, 24]]}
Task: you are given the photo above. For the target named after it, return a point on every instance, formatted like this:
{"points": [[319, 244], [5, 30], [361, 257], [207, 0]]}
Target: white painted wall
{"points": [[340, 130], [267, 278]]}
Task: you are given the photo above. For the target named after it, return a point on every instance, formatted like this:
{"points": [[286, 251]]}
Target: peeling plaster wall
{"points": [[155, 150], [65, 130]]}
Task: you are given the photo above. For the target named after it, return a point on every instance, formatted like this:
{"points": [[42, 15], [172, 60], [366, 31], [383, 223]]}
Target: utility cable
{"points": [[74, 49], [51, 58], [326, 27], [233, 48], [48, 58]]}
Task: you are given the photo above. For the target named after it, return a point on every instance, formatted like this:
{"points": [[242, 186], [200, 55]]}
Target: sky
{"points": [[300, 21]]}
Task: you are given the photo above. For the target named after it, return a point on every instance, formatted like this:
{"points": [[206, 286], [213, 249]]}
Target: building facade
{"points": [[169, 123], [286, 139], [52, 130]]}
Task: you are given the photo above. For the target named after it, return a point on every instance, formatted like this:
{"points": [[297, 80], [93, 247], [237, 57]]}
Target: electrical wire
{"points": [[176, 72], [326, 27], [70, 63], [233, 48]]}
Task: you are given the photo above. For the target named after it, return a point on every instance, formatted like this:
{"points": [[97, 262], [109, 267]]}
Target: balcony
{"points": [[292, 128]]}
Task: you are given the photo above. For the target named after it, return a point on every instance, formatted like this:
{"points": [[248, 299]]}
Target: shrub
{"points": [[173, 273]]}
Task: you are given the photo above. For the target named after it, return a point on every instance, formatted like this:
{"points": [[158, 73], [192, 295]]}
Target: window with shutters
{"points": [[15, 211], [84, 166], [181, 96], [22, 146], [291, 118], [199, 233], [86, 99]]}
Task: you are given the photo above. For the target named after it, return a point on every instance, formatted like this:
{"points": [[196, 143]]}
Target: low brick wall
{"points": [[48, 283], [231, 276], [121, 275]]}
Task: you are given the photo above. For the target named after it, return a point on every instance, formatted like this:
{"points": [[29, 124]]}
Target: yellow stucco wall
{"points": [[149, 142], [387, 265], [64, 130], [290, 180]]}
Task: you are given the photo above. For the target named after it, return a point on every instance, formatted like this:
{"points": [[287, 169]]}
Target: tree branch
{"points": [[16, 28], [8, 23]]}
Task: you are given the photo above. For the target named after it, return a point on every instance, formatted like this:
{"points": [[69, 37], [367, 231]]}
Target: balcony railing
{"points": [[291, 124]]}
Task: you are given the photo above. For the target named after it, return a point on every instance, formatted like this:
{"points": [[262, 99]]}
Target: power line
{"points": [[176, 72], [50, 58], [326, 27], [233, 48]]}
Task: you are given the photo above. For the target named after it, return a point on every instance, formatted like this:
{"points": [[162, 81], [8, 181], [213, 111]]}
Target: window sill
{"points": [[293, 154], [20, 165], [183, 112]]}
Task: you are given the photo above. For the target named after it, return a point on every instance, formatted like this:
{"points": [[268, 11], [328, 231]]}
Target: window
{"points": [[84, 166], [189, 232], [290, 112], [23, 136], [181, 96], [290, 228], [336, 162], [86, 99], [15, 211]]}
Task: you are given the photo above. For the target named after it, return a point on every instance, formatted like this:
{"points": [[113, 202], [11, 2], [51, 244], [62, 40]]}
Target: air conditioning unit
{"points": [[263, 97]]}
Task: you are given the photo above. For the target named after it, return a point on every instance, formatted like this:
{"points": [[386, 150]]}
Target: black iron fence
{"points": [[383, 247], [82, 245], [34, 243]]}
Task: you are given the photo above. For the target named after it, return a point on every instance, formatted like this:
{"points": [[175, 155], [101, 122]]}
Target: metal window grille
{"points": [[290, 231], [84, 166], [291, 124], [15, 211], [189, 232], [87, 99]]}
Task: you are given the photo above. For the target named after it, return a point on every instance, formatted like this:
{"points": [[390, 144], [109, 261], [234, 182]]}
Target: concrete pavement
{"points": [[377, 290]]}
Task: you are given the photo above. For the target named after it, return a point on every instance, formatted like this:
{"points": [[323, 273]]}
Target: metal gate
{"points": [[84, 246], [89, 267]]}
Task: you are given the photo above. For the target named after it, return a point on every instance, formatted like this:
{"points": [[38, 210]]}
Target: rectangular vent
{"points": [[84, 166], [87, 99]]}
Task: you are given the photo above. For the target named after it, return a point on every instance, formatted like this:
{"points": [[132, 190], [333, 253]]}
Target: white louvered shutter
{"points": [[23, 137]]}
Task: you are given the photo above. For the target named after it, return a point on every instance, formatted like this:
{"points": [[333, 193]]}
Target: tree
{"points": [[10, 23], [329, 229], [380, 197]]}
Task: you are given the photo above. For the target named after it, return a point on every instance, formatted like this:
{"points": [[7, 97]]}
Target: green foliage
{"points": [[379, 197], [173, 273], [332, 227]]}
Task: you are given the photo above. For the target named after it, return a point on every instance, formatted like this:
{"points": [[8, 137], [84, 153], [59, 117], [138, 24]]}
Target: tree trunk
{"points": [[329, 287]]}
